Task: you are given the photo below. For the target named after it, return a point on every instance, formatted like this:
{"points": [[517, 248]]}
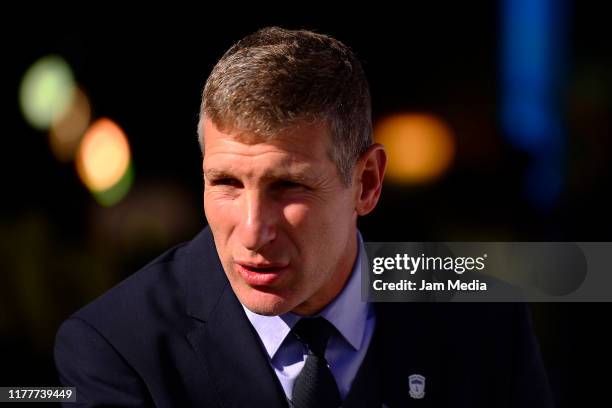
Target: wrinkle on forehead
{"points": [[252, 136], [288, 133]]}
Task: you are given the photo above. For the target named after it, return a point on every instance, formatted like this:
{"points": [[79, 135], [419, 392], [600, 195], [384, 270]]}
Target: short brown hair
{"points": [[275, 78]]}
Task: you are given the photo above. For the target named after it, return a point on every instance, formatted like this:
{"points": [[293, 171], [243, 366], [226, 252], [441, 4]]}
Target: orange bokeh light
{"points": [[103, 156], [420, 147]]}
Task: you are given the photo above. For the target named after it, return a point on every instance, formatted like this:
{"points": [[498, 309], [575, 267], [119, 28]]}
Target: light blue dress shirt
{"points": [[354, 320]]}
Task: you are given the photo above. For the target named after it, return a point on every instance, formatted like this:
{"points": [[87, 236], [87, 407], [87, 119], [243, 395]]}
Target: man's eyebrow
{"points": [[302, 178], [217, 174], [299, 178]]}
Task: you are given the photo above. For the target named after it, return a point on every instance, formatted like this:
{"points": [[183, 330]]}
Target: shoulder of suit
{"points": [[149, 299]]}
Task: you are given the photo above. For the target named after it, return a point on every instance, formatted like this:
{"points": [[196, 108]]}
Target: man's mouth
{"points": [[260, 274]]}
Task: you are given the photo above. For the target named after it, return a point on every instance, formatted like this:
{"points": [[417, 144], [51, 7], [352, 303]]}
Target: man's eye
{"points": [[226, 182], [287, 184]]}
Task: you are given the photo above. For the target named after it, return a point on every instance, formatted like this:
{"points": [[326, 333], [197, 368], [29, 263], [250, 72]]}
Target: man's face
{"points": [[282, 221]]}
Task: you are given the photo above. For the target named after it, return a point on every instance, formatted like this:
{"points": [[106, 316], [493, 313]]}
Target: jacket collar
{"points": [[223, 338], [204, 280]]}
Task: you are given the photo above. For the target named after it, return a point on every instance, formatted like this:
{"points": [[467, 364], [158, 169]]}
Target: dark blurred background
{"points": [[496, 117]]}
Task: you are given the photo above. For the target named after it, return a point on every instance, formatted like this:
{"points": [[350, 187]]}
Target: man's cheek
{"points": [[298, 214]]}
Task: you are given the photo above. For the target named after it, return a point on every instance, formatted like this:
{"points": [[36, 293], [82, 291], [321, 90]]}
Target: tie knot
{"points": [[314, 332]]}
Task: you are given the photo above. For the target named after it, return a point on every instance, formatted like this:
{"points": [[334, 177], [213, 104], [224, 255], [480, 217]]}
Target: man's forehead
{"points": [[301, 130], [302, 144]]}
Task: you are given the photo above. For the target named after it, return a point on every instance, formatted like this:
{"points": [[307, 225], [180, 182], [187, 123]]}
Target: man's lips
{"points": [[256, 274]]}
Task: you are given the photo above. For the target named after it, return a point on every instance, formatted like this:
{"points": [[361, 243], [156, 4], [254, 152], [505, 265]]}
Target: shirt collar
{"points": [[347, 312]]}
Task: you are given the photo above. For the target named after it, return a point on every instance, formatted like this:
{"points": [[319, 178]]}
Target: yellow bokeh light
{"points": [[66, 132], [103, 156], [46, 91], [420, 147]]}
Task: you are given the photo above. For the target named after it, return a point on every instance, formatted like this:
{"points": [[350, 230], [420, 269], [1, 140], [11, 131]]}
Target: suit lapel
{"points": [[365, 390], [225, 342], [237, 360], [409, 344], [404, 343]]}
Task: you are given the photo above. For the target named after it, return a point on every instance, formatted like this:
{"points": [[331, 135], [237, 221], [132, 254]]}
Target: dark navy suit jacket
{"points": [[175, 335]]}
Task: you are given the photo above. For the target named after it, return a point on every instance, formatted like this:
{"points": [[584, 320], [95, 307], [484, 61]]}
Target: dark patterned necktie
{"points": [[315, 385]]}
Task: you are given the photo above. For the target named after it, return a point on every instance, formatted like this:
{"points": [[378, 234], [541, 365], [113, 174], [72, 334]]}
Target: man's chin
{"points": [[264, 303]]}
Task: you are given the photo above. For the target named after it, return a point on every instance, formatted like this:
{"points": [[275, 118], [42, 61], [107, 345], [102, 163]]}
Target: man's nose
{"points": [[257, 226]]}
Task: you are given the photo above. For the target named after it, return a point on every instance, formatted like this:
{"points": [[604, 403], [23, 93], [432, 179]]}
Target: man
{"points": [[263, 307]]}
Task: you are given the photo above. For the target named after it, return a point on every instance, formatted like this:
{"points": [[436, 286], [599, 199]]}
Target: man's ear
{"points": [[369, 174]]}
